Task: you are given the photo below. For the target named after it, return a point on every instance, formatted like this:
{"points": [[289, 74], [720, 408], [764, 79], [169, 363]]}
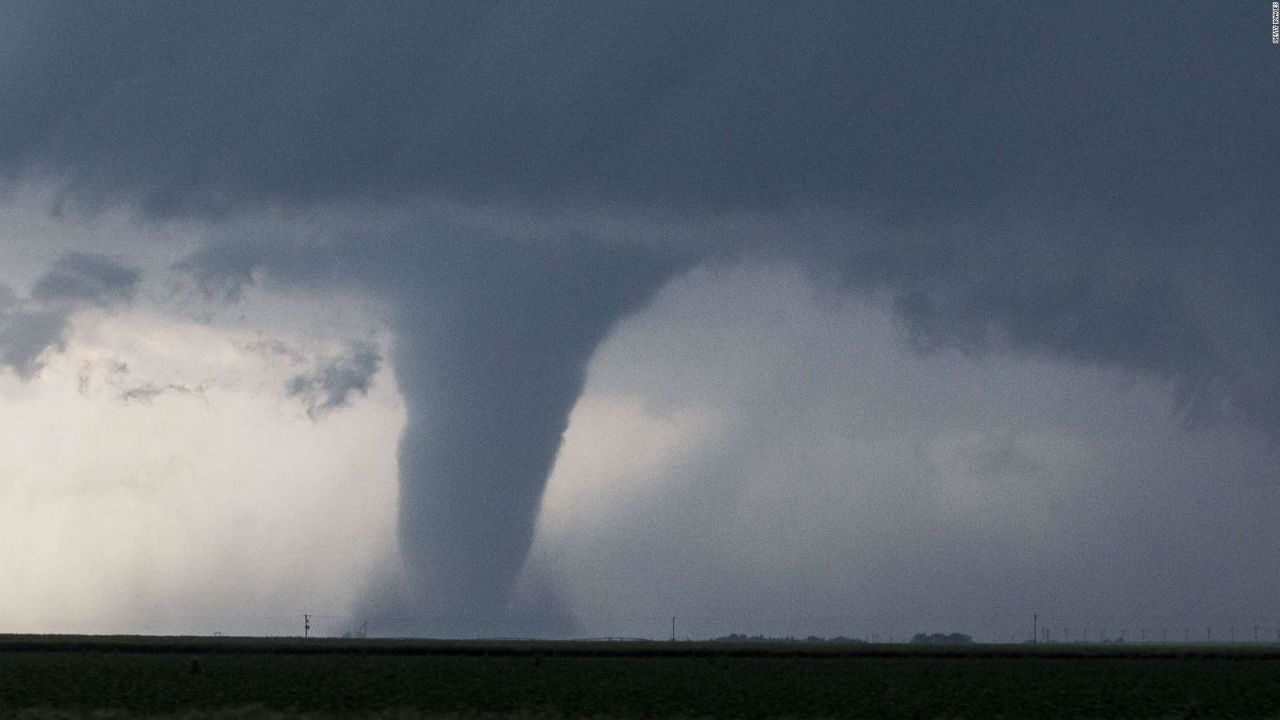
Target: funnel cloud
{"points": [[492, 356]]}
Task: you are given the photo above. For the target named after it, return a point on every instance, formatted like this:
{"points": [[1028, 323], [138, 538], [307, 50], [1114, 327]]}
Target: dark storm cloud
{"points": [[924, 110], [1094, 183], [25, 334], [29, 327], [88, 279], [331, 384], [1153, 126], [222, 272], [1090, 302]]}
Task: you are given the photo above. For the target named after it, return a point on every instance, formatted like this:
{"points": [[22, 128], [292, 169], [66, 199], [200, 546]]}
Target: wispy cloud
{"points": [[334, 380]]}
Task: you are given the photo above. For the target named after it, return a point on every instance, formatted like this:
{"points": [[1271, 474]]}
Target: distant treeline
{"points": [[941, 639], [739, 638]]}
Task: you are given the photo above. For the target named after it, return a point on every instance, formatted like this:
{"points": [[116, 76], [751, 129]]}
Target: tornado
{"points": [[333, 145], [491, 350]]}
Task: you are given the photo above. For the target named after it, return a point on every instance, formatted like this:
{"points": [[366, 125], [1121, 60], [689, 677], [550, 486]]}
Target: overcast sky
{"points": [[567, 318]]}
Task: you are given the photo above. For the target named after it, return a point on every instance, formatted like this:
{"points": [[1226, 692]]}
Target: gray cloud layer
{"points": [[1096, 154], [87, 279], [330, 385], [925, 110], [1095, 184], [29, 327]]}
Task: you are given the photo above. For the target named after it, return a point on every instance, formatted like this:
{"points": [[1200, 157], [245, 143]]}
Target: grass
{"points": [[127, 677]]}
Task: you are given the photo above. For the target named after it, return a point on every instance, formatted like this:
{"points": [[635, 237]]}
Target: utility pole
{"points": [[1035, 627], [306, 626], [673, 628]]}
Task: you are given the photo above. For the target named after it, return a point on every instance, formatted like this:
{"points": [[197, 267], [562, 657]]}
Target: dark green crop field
{"points": [[72, 677]]}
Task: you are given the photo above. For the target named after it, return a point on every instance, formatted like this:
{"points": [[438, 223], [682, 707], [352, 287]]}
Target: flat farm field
{"points": [[249, 678]]}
